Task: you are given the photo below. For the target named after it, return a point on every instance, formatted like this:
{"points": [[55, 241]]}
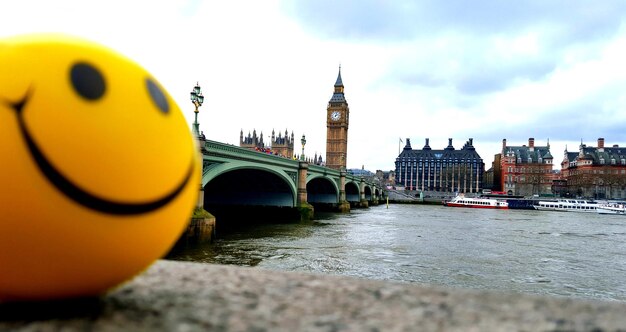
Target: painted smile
{"points": [[82, 196]]}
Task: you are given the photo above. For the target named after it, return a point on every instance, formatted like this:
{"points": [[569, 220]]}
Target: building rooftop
{"points": [[529, 155], [338, 96], [598, 155], [466, 152]]}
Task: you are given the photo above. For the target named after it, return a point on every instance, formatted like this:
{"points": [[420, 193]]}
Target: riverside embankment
{"points": [[182, 296]]}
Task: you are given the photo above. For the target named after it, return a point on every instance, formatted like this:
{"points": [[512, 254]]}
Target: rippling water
{"points": [[556, 253]]}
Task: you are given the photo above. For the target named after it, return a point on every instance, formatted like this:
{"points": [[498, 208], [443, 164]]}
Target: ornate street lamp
{"points": [[303, 141], [197, 99]]}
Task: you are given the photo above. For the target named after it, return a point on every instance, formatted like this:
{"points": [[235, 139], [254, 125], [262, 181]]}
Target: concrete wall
{"points": [[177, 296]]}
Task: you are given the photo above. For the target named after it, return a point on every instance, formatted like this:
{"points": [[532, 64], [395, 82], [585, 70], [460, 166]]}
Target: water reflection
{"points": [[527, 251]]}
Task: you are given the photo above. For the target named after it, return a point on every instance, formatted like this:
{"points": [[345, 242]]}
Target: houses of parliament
{"points": [[337, 120]]}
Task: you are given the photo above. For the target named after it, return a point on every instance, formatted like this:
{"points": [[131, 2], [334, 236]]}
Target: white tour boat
{"points": [[477, 202], [612, 208], [567, 205]]}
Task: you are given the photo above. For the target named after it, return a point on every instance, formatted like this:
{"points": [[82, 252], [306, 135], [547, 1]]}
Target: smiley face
{"points": [[99, 172]]}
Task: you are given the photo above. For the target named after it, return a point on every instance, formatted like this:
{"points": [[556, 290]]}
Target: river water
{"points": [[557, 253]]}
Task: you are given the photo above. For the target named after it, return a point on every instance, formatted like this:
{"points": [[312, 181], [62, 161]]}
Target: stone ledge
{"points": [[181, 296]]}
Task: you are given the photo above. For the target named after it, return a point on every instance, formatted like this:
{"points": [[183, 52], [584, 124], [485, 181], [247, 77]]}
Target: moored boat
{"points": [[567, 205], [612, 208], [477, 202]]}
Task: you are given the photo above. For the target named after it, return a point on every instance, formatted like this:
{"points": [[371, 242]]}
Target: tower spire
{"points": [[338, 96], [339, 82]]}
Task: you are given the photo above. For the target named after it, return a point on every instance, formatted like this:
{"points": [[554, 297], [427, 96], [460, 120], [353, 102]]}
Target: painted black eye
{"points": [[87, 81], [157, 95]]}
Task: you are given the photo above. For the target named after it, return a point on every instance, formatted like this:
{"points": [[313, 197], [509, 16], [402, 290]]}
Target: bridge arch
{"points": [[249, 185], [353, 192], [321, 189], [368, 192]]}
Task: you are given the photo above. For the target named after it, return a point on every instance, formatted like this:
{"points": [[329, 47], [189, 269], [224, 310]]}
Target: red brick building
{"points": [[597, 172], [524, 170]]}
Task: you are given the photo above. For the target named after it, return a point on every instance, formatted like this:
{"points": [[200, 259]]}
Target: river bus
{"points": [[477, 202], [567, 205]]}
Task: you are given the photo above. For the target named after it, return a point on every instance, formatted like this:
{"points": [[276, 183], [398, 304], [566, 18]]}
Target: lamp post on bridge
{"points": [[306, 209], [197, 99], [303, 141]]}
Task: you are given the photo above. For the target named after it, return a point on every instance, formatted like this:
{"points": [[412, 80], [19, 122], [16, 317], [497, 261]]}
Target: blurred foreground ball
{"points": [[98, 169]]}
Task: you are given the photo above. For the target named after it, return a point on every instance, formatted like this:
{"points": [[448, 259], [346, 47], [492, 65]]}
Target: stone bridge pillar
{"points": [[363, 202], [306, 209], [201, 142], [200, 204], [375, 199], [201, 227], [343, 205]]}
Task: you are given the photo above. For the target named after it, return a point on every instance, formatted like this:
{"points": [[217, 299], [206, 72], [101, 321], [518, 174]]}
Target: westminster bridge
{"points": [[237, 179]]}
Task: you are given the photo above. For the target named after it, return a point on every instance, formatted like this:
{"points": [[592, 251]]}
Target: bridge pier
{"points": [[343, 206], [201, 229], [305, 209], [200, 203], [201, 226], [363, 203]]}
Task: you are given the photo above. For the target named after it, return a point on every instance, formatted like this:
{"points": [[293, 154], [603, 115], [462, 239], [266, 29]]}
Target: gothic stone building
{"points": [[447, 170], [280, 145], [597, 172], [524, 170], [283, 145], [251, 142]]}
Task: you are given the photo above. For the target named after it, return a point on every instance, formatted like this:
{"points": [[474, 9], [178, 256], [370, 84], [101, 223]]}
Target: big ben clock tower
{"points": [[337, 116]]}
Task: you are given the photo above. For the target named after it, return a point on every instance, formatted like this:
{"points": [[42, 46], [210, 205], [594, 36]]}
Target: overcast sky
{"points": [[412, 69]]}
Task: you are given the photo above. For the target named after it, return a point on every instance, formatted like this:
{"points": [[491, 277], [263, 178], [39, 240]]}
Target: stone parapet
{"points": [[181, 296]]}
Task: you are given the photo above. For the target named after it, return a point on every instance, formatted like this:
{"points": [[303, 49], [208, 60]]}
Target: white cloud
{"points": [[262, 66]]}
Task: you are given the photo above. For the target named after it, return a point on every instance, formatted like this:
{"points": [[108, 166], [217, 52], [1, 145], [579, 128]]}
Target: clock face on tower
{"points": [[335, 116]]}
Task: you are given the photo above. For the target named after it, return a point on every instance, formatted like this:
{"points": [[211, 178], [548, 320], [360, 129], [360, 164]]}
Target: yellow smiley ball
{"points": [[99, 172]]}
